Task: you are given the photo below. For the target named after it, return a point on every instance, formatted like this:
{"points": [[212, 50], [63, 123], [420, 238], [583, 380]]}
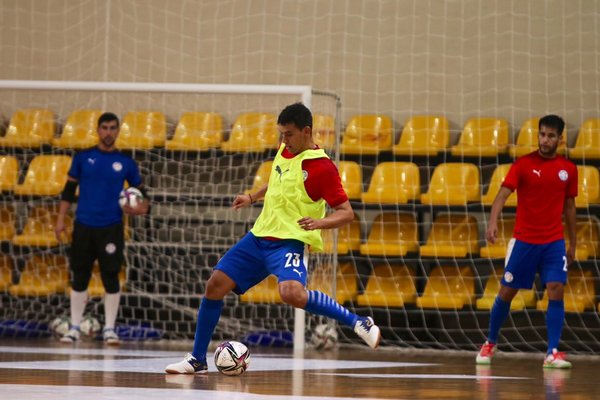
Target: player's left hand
{"points": [[309, 224], [570, 255]]}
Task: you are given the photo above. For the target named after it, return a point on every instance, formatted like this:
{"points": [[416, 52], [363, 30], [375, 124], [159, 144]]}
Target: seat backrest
{"points": [[255, 129], [450, 280], [369, 130], [450, 179], [9, 172], [392, 278], [46, 175], [262, 175], [495, 183], [425, 131], [80, 130], [30, 127], [351, 176], [7, 222], [457, 229], [485, 132], [143, 130], [394, 227], [41, 220], [324, 131], [199, 127], [589, 186], [392, 178], [589, 134]]}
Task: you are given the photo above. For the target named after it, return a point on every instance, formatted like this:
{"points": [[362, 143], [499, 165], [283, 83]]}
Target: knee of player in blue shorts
{"points": [[555, 290], [293, 293], [218, 286]]}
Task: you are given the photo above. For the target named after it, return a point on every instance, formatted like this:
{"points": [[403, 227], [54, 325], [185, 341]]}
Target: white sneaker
{"points": [[557, 360], [366, 329], [189, 365], [486, 352], [110, 337], [72, 336]]}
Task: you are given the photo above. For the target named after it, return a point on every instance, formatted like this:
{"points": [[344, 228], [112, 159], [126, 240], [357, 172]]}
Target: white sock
{"points": [[111, 308], [78, 302]]}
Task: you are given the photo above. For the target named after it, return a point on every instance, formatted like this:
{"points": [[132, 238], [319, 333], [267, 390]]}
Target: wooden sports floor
{"points": [[45, 369]]}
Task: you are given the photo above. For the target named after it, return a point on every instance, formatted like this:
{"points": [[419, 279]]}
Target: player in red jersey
{"points": [[546, 184]]}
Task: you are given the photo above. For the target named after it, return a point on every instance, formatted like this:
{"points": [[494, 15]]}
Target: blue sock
{"points": [[500, 311], [321, 304], [554, 322], [208, 316]]}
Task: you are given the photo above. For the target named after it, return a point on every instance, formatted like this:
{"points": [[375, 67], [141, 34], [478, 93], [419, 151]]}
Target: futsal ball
{"points": [[89, 326], [232, 358], [324, 337], [130, 197], [59, 326]]}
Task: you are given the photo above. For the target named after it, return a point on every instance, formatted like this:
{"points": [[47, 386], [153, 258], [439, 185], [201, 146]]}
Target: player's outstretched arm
{"points": [[491, 232], [342, 215], [245, 200]]}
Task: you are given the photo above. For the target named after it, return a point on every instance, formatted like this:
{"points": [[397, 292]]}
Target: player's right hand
{"points": [[491, 233], [59, 228], [241, 201]]}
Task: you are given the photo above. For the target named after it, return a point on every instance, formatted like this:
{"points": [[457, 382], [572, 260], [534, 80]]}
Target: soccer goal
{"points": [[197, 147]]}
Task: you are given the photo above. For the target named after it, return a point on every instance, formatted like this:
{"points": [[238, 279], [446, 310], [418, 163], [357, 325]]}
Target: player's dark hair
{"points": [[552, 121], [296, 113], [107, 117]]}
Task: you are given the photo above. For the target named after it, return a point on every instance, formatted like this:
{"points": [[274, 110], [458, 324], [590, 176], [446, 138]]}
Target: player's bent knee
{"points": [[555, 290], [219, 285], [293, 293]]}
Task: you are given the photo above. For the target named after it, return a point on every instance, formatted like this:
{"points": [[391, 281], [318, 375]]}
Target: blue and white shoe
{"points": [[189, 365], [366, 329], [110, 337], [71, 336]]}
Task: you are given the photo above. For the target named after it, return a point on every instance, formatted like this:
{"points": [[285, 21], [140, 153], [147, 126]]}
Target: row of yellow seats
{"points": [[45, 275], [447, 287], [396, 234], [250, 132], [480, 137], [450, 184], [38, 230]]}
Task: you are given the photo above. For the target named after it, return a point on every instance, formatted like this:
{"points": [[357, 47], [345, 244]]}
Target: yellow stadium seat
{"points": [[324, 131], [448, 287], [46, 176], [43, 275], [351, 176], [423, 135], [262, 176], [506, 226], [6, 270], [495, 184], [265, 292], [394, 183], [142, 130], [587, 144], [453, 184], [7, 222], [39, 228], [80, 130], [586, 231], [197, 131], [589, 186], [96, 288], [9, 173], [253, 132], [392, 234], [389, 286], [523, 298], [579, 292], [527, 139], [346, 286], [482, 137], [29, 128], [348, 238], [452, 235], [368, 134]]}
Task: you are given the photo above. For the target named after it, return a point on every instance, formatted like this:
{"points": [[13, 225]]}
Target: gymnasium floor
{"points": [[45, 369]]}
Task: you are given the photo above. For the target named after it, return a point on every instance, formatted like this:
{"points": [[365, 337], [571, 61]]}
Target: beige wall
{"points": [[460, 58]]}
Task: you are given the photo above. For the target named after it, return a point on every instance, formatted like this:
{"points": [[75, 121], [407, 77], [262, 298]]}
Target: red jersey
{"points": [[321, 180], [542, 185]]}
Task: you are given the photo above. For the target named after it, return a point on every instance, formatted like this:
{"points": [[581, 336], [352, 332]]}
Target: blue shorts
{"points": [[524, 260], [252, 259]]}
